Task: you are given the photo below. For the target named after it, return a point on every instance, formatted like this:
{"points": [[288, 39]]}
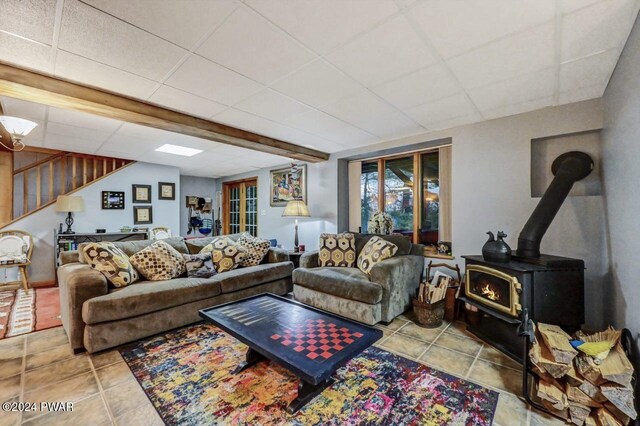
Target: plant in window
{"points": [[380, 223]]}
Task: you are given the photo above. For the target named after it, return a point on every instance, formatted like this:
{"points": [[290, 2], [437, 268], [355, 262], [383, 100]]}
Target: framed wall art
{"points": [[142, 215], [166, 191], [112, 200], [141, 193], [288, 184]]}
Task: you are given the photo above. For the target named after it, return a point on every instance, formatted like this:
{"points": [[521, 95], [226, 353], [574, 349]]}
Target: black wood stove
{"points": [[548, 288]]}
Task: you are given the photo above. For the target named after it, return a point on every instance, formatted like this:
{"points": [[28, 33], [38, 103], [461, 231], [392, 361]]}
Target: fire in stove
{"points": [[490, 293]]}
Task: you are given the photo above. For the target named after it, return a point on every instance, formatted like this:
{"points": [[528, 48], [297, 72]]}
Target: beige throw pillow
{"points": [[112, 262], [225, 254], [337, 250], [158, 262], [256, 249], [375, 251]]}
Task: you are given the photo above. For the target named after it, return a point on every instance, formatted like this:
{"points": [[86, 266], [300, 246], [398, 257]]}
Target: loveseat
{"points": [[380, 296], [96, 316]]}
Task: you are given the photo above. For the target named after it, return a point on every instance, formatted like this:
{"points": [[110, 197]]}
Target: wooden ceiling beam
{"points": [[35, 87]]}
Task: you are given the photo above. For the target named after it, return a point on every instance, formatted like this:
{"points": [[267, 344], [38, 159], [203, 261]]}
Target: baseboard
{"points": [[38, 284]]}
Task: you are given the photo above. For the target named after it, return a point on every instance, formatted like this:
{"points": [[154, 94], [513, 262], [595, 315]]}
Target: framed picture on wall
{"points": [[141, 193], [142, 215], [112, 200], [166, 191], [288, 184]]}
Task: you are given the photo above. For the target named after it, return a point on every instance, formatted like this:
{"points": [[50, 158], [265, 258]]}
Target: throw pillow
{"points": [[375, 251], [256, 249], [111, 262], [337, 250], [199, 265], [158, 262], [225, 253]]}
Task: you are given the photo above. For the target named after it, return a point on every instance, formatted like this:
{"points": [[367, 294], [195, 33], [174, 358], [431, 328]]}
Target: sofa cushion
{"points": [[146, 296], [250, 276], [132, 247], [158, 262], [256, 249], [199, 265], [375, 251], [337, 250], [195, 245], [111, 262], [347, 283], [226, 254], [402, 241]]}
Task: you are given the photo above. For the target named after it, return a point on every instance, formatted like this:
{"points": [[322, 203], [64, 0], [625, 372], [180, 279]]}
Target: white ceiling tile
{"points": [[185, 102], [86, 71], [591, 71], [424, 85], [602, 26], [581, 94], [175, 21], [82, 119], [385, 53], [518, 108], [65, 130], [315, 122], [37, 134], [456, 27], [25, 53], [520, 89], [133, 147], [326, 24], [24, 109], [568, 6], [317, 84], [33, 19], [443, 109], [115, 154], [251, 46], [212, 81], [366, 111], [507, 58], [272, 105], [456, 122], [93, 34], [350, 136], [70, 143], [144, 132]]}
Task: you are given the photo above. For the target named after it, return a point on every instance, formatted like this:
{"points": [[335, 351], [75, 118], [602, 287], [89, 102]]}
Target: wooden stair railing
{"points": [[57, 174]]}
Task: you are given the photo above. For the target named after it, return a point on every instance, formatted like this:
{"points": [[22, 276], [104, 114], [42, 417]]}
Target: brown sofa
{"points": [[96, 316]]}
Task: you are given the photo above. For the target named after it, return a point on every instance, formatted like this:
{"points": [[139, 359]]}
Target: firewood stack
{"points": [[590, 385]]}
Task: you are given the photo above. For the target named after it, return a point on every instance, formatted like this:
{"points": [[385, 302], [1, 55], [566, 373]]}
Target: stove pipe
{"points": [[568, 168]]}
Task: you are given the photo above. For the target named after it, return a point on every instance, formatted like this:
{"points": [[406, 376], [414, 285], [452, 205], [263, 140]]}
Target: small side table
{"points": [[294, 256]]}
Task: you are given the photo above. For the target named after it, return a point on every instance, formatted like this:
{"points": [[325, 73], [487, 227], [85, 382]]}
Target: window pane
{"points": [[430, 202], [368, 193], [398, 194]]}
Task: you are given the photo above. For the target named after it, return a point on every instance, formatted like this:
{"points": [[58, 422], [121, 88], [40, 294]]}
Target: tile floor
{"points": [[40, 367]]}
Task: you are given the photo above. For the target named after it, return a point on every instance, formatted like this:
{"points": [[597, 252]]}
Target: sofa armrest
{"points": [[69, 257], [309, 259], [277, 255], [399, 278], [78, 283]]}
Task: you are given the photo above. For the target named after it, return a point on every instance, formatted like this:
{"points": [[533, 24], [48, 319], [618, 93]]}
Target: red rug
{"points": [[22, 313]]}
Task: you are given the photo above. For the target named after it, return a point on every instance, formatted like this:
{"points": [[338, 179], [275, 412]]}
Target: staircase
{"points": [[39, 176]]}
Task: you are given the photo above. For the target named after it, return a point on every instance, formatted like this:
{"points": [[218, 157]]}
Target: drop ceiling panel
{"points": [[69, 143], [383, 54], [204, 78], [315, 122], [97, 137], [32, 19], [591, 71], [350, 136], [95, 35], [444, 109], [174, 21], [185, 102], [83, 120], [272, 105], [250, 45], [24, 109], [518, 108], [25, 53], [124, 144]]}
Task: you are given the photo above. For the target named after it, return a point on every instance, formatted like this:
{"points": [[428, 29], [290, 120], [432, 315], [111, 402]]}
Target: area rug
{"points": [[187, 376], [22, 313]]}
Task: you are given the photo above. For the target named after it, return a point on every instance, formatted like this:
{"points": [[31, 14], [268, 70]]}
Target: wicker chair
{"points": [[15, 252]]}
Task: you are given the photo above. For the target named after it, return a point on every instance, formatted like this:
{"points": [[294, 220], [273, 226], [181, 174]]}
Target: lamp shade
{"points": [[17, 127], [69, 203], [296, 208]]}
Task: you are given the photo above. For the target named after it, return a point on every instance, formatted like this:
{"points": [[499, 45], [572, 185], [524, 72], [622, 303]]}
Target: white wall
{"points": [[621, 172], [194, 186], [42, 223]]}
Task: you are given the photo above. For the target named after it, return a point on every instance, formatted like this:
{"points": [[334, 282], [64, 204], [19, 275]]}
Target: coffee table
{"points": [[310, 343]]}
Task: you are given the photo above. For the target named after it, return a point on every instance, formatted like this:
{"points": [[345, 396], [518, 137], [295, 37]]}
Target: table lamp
{"points": [[69, 204], [296, 208]]}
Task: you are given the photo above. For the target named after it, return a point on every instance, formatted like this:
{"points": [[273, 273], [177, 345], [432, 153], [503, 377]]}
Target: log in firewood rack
{"points": [[526, 331]]}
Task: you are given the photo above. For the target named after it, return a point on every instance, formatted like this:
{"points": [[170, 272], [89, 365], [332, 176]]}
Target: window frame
{"points": [[226, 188]]}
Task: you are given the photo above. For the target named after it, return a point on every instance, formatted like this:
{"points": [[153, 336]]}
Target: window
{"points": [[398, 194], [368, 192], [240, 206]]}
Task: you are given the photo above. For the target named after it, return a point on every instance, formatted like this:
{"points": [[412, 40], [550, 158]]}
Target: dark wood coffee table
{"points": [[310, 343]]}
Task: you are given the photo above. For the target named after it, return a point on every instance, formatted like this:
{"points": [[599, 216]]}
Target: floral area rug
{"points": [[187, 376], [22, 313]]}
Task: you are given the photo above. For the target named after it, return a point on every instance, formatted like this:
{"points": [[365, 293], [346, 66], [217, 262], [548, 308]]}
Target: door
{"points": [[240, 206]]}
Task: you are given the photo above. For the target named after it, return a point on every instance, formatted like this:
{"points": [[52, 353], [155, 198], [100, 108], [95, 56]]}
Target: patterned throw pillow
{"points": [[337, 250], [376, 250], [111, 262], [256, 249], [225, 253], [158, 262], [199, 265]]}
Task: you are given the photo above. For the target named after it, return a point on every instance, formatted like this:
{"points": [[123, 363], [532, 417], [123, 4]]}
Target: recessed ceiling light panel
{"points": [[178, 150]]}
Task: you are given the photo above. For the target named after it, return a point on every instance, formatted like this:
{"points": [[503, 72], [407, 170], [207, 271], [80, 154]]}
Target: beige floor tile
{"points": [[144, 416], [91, 411], [9, 387], [11, 341], [422, 333], [489, 353], [396, 324], [459, 328], [126, 397], [47, 339], [405, 345], [57, 372], [49, 356], [10, 367], [499, 377], [447, 360], [459, 343], [10, 418], [72, 390], [511, 411], [108, 357], [11, 349], [114, 374], [538, 418]]}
